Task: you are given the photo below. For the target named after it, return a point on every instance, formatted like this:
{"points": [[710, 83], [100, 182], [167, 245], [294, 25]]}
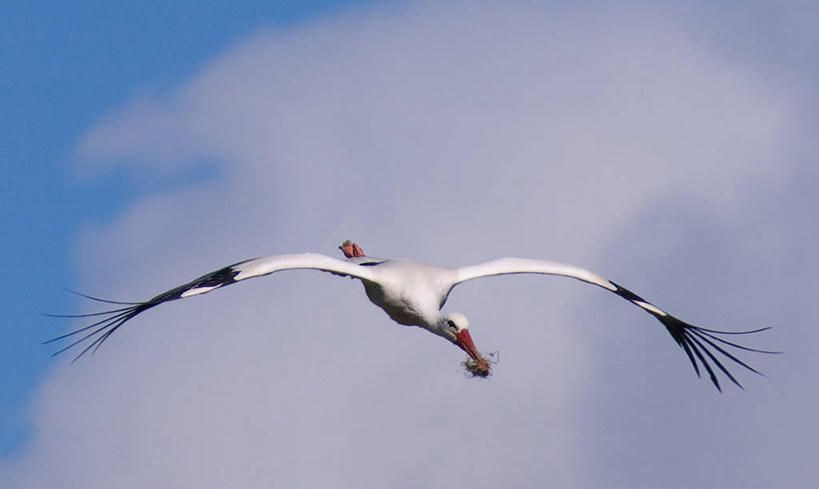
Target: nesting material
{"points": [[475, 369]]}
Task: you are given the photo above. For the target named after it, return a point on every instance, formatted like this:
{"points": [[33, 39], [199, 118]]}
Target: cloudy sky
{"points": [[671, 149]]}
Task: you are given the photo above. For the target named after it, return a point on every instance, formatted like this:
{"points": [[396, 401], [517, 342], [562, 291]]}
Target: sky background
{"points": [[670, 148]]}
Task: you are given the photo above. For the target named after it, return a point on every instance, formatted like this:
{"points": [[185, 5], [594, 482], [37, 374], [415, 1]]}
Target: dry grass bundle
{"points": [[474, 368]]}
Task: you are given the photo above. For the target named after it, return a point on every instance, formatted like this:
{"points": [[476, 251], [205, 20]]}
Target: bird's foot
{"points": [[351, 250]]}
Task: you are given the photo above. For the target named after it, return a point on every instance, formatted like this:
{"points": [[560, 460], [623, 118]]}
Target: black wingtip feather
{"points": [[716, 362], [687, 350], [702, 332], [724, 352], [101, 329], [695, 341], [708, 368], [113, 319], [97, 299]]}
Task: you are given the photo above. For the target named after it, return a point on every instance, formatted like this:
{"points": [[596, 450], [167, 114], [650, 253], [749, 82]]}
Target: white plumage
{"points": [[413, 293]]}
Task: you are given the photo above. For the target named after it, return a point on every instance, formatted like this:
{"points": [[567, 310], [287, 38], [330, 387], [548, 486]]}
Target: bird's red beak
{"points": [[464, 340]]}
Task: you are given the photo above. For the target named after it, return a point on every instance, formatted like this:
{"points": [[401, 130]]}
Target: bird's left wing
{"points": [[698, 343], [98, 331]]}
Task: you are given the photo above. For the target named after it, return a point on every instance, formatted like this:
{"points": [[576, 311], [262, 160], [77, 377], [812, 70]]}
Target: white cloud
{"points": [[438, 133]]}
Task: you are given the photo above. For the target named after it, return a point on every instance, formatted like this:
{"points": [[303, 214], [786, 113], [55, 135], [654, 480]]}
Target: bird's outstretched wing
{"points": [[111, 320], [701, 345]]}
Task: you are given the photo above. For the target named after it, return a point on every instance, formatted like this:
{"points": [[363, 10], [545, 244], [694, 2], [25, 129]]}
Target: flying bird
{"points": [[413, 294]]}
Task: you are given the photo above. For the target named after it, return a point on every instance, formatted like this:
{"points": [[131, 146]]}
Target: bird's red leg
{"points": [[351, 250], [357, 251]]}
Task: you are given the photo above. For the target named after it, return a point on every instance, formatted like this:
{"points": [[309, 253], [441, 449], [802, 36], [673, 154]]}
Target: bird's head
{"points": [[455, 327]]}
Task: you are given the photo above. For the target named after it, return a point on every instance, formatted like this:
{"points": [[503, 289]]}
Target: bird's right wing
{"points": [[698, 343], [112, 319], [507, 266]]}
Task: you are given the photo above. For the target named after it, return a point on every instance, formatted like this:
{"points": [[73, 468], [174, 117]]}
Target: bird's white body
{"points": [[413, 293], [410, 293]]}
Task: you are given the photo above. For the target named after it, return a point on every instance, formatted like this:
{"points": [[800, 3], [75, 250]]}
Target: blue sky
{"points": [[669, 148], [65, 66]]}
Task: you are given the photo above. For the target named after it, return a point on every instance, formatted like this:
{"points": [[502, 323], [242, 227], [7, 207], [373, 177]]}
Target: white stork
{"points": [[413, 294]]}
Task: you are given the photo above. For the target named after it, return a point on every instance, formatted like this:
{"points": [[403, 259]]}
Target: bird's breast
{"points": [[410, 293], [401, 308]]}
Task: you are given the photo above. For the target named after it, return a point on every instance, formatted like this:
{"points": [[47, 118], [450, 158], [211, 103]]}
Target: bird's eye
{"points": [[451, 324]]}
